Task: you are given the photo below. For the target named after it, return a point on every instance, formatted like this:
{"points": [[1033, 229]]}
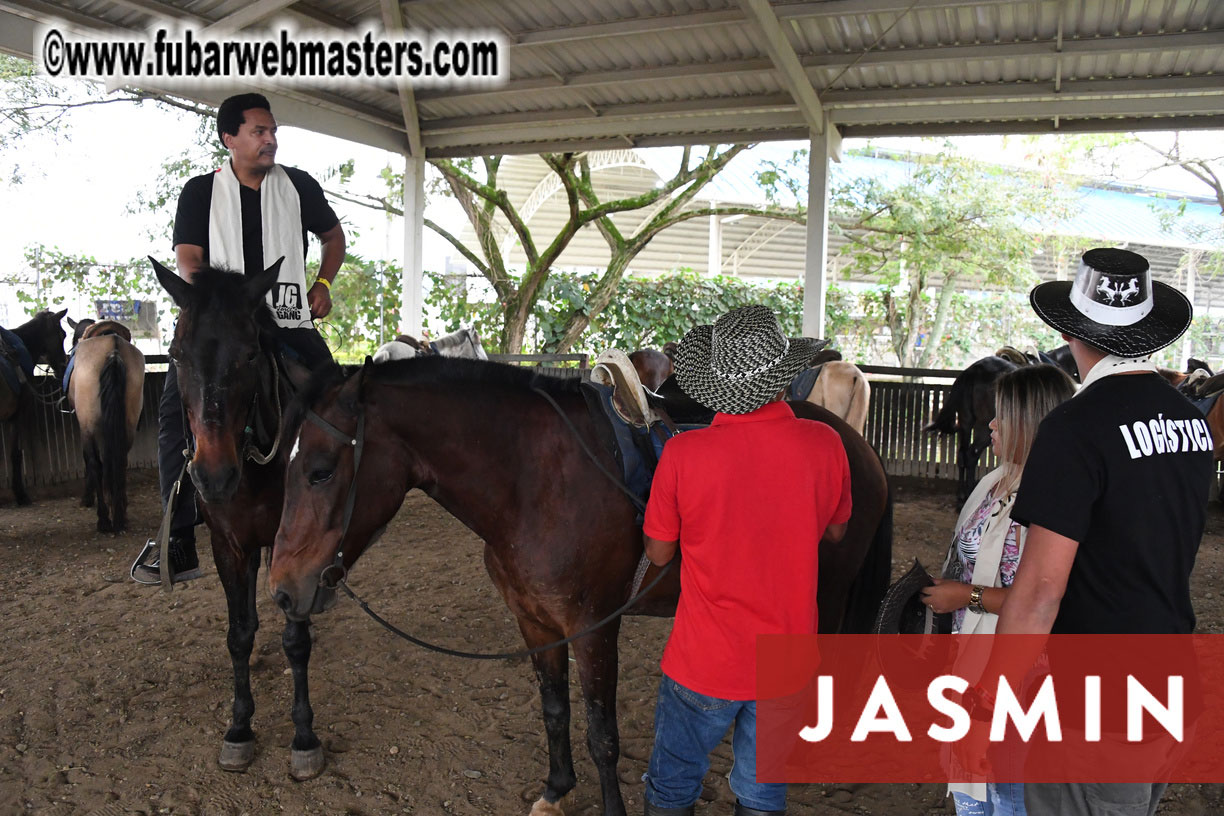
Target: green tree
{"points": [[474, 184], [950, 223]]}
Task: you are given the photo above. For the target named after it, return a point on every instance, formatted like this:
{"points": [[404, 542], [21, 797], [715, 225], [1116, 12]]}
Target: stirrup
{"points": [[151, 549]]}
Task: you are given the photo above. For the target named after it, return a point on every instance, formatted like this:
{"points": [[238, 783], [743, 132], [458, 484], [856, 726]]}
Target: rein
{"points": [[332, 576], [251, 450]]}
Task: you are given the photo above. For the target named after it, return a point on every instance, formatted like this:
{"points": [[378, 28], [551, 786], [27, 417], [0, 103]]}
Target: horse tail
{"points": [[947, 420], [111, 435], [871, 583]]}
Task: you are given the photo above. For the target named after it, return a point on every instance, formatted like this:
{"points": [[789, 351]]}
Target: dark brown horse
{"points": [[653, 367], [970, 405], [224, 351], [561, 543], [43, 338]]}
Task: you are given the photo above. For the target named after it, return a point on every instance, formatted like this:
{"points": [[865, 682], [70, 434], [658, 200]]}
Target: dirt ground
{"points": [[114, 697]]}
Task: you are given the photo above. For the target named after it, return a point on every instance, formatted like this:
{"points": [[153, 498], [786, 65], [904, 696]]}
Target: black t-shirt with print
{"points": [[195, 203], [1123, 469]]}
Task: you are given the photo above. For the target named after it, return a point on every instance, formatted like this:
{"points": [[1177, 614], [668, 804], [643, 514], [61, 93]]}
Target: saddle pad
{"points": [[637, 449], [1205, 404], [803, 383]]}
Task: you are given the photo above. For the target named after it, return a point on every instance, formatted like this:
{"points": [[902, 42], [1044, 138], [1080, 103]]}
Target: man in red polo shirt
{"points": [[748, 501]]}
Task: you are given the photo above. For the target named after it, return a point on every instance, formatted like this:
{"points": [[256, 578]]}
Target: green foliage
{"points": [[949, 220], [365, 308], [647, 312], [57, 272]]}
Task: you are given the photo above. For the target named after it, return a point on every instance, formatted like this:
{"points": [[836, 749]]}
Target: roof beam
{"points": [[1045, 125], [782, 55], [1133, 44], [248, 15], [16, 34], [393, 22], [894, 98]]}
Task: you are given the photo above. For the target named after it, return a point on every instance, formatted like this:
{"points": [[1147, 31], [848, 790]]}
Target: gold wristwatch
{"points": [[975, 600]]}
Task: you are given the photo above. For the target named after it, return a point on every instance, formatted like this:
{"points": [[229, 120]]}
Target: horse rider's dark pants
{"points": [[303, 344]]}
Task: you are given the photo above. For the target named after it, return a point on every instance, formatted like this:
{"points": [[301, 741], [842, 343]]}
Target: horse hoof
{"points": [[543, 807], [237, 756], [305, 765]]}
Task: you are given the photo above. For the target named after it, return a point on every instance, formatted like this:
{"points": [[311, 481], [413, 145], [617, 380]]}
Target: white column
{"points": [[817, 235], [414, 227], [714, 253], [1187, 349]]}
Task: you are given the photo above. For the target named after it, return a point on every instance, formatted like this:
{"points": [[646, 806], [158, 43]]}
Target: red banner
{"points": [[1067, 708]]}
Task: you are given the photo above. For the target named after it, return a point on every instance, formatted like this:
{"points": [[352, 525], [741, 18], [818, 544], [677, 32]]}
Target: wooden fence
{"points": [[902, 402]]}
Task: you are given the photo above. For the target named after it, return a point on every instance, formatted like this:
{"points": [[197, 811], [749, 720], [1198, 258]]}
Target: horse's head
{"points": [[216, 351], [326, 426], [79, 327], [46, 341]]}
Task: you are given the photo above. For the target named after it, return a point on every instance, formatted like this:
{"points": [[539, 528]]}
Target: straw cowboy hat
{"points": [[742, 361], [1114, 305]]}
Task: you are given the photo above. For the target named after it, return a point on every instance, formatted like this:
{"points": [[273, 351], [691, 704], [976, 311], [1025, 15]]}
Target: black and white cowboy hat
{"points": [[1114, 305], [742, 361]]}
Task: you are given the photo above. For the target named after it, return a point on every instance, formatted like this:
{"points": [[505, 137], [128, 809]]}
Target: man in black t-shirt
{"points": [[1114, 491], [221, 221]]}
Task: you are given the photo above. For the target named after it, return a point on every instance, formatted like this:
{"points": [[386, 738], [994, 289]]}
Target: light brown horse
{"points": [[843, 389], [106, 390]]}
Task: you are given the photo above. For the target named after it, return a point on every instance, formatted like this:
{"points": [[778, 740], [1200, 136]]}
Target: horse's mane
{"points": [[458, 370], [215, 288], [428, 371]]}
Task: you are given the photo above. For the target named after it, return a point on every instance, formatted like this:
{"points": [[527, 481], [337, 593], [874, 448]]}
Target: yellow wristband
{"points": [[325, 282]]}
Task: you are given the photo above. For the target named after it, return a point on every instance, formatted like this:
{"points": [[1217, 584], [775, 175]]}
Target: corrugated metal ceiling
{"points": [[586, 75]]}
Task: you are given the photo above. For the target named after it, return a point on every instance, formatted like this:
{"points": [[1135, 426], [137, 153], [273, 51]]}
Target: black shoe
{"points": [[743, 810], [184, 563], [654, 810]]}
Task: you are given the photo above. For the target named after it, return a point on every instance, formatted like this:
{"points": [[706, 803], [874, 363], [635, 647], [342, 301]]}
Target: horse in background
{"points": [[969, 406], [40, 340], [832, 383], [462, 343], [653, 367], [105, 387]]}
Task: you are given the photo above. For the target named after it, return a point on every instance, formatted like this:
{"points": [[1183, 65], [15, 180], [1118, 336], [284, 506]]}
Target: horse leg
{"points": [[966, 464], [552, 675], [16, 461], [597, 664], [91, 481], [307, 758], [93, 473], [238, 572]]}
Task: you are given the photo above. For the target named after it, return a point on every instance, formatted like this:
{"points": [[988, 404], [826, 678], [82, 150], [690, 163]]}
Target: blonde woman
{"points": [[987, 546]]}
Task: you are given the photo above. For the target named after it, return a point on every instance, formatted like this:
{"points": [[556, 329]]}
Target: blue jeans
{"points": [[1003, 799], [688, 726]]}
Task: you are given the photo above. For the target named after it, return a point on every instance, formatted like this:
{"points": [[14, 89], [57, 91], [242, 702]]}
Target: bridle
{"points": [[333, 576]]}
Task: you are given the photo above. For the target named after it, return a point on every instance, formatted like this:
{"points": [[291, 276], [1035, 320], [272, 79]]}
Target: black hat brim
{"points": [[902, 611], [1170, 317], [696, 376]]}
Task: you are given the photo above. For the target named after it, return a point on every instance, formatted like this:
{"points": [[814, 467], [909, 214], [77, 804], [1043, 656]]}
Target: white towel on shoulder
{"points": [[281, 216]]}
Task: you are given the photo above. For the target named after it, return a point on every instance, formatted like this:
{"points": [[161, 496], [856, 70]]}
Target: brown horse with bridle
{"points": [[227, 359], [520, 460]]}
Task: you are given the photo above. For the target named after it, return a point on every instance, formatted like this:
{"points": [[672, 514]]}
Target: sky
{"points": [[76, 192]]}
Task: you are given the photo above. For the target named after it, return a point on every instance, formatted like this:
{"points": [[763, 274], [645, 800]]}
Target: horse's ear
{"points": [[258, 285], [178, 289], [60, 315], [368, 361], [297, 373], [72, 324]]}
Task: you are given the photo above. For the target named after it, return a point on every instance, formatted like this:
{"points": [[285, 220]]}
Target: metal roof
{"points": [[631, 73]]}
